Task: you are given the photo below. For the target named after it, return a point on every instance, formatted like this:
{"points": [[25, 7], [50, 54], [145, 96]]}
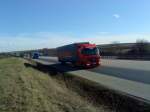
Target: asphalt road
{"points": [[126, 69], [138, 71], [127, 76]]}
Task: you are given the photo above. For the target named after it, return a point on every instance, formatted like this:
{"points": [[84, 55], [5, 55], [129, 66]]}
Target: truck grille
{"points": [[93, 60]]}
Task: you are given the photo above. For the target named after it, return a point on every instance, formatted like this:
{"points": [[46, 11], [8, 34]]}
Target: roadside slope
{"points": [[28, 90]]}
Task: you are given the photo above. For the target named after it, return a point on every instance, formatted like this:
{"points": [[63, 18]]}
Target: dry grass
{"points": [[24, 89]]}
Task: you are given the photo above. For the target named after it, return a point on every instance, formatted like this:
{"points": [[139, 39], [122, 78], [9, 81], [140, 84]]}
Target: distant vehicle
{"points": [[35, 55], [80, 54]]}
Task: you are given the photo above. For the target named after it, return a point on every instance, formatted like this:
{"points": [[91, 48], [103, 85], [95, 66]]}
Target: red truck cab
{"points": [[80, 54], [88, 55]]}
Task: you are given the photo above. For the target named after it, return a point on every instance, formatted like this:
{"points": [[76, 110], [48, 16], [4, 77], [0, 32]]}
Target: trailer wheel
{"points": [[74, 64], [62, 62]]}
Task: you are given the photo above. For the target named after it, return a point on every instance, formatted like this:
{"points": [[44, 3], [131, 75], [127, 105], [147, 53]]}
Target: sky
{"points": [[33, 24]]}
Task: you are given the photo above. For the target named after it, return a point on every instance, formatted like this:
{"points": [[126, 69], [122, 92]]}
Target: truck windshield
{"points": [[90, 51]]}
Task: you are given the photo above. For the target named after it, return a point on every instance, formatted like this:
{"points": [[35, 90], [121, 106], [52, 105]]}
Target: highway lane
{"points": [[125, 76], [131, 64], [126, 69], [49, 59]]}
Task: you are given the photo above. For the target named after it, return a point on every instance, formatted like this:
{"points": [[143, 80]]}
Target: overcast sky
{"points": [[32, 24]]}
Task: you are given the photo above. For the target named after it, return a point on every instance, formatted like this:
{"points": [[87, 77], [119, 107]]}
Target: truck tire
{"points": [[62, 62]]}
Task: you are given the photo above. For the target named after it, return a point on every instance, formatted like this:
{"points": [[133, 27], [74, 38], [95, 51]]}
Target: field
{"points": [[24, 89]]}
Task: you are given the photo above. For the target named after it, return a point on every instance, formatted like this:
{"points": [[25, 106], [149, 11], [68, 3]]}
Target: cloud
{"points": [[37, 40], [52, 40], [117, 16]]}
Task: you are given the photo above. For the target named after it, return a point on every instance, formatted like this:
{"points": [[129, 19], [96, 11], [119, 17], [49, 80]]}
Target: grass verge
{"points": [[24, 89], [94, 93]]}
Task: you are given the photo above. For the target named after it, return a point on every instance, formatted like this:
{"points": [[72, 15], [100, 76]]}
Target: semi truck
{"points": [[79, 54]]}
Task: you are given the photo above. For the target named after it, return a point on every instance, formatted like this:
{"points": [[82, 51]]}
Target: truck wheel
{"points": [[62, 62], [74, 64]]}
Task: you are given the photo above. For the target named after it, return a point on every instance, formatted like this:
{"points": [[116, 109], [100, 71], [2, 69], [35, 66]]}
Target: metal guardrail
{"points": [[127, 57], [109, 57]]}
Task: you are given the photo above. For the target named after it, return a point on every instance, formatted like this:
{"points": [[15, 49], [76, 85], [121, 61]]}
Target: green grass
{"points": [[24, 89]]}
